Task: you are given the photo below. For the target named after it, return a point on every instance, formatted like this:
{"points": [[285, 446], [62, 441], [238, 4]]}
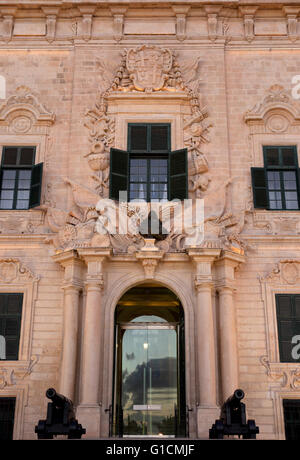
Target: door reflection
{"points": [[149, 381]]}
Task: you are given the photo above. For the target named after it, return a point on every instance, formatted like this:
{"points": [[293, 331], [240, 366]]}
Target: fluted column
{"points": [[226, 266], [72, 287]]}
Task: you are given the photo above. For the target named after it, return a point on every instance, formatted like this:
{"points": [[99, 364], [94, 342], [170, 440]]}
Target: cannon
{"points": [[233, 420], [60, 418]]}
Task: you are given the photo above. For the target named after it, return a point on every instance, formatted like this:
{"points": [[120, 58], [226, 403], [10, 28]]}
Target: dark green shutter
{"points": [[36, 185], [178, 175], [259, 186], [119, 165]]}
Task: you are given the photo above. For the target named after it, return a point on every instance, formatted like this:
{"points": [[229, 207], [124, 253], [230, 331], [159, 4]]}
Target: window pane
{"points": [[10, 155], [9, 174], [288, 156], [25, 174], [6, 204], [7, 194], [23, 195], [22, 204], [138, 138], [27, 156], [272, 156], [159, 137]]}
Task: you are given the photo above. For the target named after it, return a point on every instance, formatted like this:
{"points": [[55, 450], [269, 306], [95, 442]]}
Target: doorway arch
{"points": [[149, 395]]}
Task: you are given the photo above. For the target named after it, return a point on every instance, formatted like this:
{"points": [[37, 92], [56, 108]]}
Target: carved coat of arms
{"points": [[149, 67]]}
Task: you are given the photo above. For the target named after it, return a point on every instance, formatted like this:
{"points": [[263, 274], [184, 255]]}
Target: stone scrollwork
{"points": [[285, 271], [284, 377], [23, 111], [276, 113], [11, 375]]}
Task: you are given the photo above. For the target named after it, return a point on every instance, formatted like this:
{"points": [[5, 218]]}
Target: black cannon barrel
{"points": [[58, 399], [237, 396]]}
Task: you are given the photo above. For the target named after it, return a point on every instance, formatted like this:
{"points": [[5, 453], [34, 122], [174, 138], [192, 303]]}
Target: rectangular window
{"points": [[10, 323], [20, 178], [276, 186], [288, 322], [7, 415], [148, 170], [291, 409]]}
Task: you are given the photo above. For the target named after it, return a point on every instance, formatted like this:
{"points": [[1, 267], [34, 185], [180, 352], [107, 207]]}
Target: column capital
{"points": [[203, 283], [72, 285], [94, 283], [225, 286]]}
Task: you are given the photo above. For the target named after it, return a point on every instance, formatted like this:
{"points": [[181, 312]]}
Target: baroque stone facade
{"points": [[222, 76]]}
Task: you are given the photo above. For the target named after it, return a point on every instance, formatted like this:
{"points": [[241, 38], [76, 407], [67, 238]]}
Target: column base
{"points": [[89, 417], [206, 416]]}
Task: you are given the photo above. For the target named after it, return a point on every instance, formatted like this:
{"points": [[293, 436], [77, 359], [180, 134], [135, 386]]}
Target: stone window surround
{"points": [[272, 284], [21, 395]]}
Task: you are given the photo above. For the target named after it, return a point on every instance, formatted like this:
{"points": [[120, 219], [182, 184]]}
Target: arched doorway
{"points": [[149, 371]]}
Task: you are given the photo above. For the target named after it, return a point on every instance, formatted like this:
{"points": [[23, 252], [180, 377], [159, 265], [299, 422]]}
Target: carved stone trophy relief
{"points": [[145, 69]]}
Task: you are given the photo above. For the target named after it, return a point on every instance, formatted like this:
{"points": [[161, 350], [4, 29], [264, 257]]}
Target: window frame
{"points": [[19, 317], [291, 319], [148, 154], [17, 167], [280, 169]]}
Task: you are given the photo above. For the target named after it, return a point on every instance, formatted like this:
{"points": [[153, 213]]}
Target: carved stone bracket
{"points": [[212, 21], [291, 13], [8, 14], [118, 15], [181, 13], [149, 255], [51, 19], [87, 21], [248, 13]]}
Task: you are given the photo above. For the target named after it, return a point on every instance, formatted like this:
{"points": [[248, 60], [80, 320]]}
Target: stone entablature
{"points": [[65, 22]]}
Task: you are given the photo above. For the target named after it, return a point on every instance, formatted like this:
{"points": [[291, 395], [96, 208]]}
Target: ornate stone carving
{"points": [[181, 12], [277, 112], [8, 14], [283, 376], [51, 19], [22, 111], [12, 270], [284, 272], [14, 374]]}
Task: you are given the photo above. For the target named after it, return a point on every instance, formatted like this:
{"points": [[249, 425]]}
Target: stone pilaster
{"points": [[205, 352], [89, 410], [72, 286], [227, 321]]}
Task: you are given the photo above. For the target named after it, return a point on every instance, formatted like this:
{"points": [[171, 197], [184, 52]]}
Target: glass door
{"points": [[148, 379]]}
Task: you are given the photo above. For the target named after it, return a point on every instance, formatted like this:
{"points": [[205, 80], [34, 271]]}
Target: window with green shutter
{"points": [[149, 170], [7, 415], [10, 323], [276, 185], [288, 323], [291, 409], [21, 179]]}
